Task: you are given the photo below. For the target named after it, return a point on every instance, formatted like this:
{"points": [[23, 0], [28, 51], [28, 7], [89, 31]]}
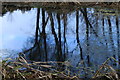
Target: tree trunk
{"points": [[77, 34]]}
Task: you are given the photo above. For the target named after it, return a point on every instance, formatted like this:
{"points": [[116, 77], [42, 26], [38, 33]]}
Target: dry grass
{"points": [[106, 71], [21, 69]]}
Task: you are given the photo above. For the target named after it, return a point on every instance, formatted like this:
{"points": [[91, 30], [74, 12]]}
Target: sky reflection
{"points": [[16, 28]]}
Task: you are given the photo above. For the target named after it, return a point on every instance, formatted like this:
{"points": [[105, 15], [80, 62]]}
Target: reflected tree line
{"points": [[41, 52]]}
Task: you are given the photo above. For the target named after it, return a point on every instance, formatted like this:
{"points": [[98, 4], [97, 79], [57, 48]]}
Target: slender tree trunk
{"points": [[118, 38], [110, 33], [37, 26], [77, 34], [36, 44], [54, 34], [111, 38], [96, 24], [87, 33], [59, 35], [103, 28], [88, 22], [44, 34], [64, 34], [84, 11]]}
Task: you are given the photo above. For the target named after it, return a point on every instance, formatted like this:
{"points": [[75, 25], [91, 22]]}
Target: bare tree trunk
{"points": [[84, 11], [118, 38], [110, 33], [59, 35], [36, 44], [87, 33], [88, 22], [64, 34], [77, 34], [37, 26], [36, 41], [54, 34], [96, 24], [111, 37], [44, 34], [103, 28]]}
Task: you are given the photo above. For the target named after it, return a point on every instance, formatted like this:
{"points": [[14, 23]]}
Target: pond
{"points": [[82, 35]]}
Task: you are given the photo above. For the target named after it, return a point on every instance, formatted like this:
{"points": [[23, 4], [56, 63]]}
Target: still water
{"points": [[85, 34]]}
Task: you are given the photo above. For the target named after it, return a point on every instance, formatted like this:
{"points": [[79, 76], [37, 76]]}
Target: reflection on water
{"points": [[90, 35]]}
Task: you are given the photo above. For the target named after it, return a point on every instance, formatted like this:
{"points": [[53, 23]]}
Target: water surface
{"points": [[86, 34]]}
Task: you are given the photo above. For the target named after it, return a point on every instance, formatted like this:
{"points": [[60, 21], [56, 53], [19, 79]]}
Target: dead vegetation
{"points": [[106, 72], [21, 69]]}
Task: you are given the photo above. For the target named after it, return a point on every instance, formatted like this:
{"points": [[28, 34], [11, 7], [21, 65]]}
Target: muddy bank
{"points": [[55, 7]]}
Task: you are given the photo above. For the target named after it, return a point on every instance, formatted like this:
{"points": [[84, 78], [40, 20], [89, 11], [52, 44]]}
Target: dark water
{"points": [[89, 35]]}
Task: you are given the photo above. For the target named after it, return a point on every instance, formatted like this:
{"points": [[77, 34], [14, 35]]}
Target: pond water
{"points": [[85, 34]]}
